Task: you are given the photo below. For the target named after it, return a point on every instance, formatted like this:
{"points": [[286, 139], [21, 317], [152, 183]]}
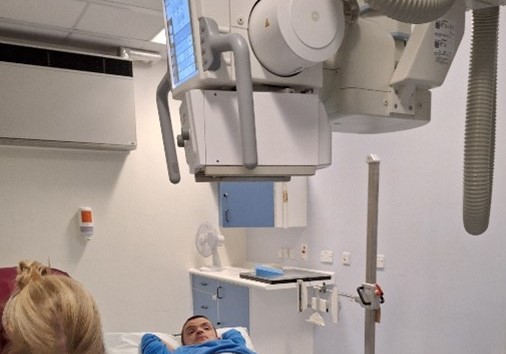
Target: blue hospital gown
{"points": [[231, 342]]}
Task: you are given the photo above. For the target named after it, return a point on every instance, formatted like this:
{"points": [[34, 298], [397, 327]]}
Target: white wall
{"points": [[136, 264], [444, 289]]}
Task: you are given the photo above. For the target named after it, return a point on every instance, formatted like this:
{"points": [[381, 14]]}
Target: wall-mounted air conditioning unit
{"points": [[69, 99]]}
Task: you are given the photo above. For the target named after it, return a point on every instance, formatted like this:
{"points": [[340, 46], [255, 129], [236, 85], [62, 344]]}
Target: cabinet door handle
{"points": [[227, 219], [204, 307], [218, 295], [203, 283]]}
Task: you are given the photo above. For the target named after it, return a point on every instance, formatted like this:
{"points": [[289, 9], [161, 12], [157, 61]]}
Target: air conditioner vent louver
{"points": [[64, 60]]}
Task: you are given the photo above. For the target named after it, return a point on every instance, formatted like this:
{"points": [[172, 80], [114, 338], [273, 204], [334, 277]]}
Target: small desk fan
{"points": [[207, 242]]}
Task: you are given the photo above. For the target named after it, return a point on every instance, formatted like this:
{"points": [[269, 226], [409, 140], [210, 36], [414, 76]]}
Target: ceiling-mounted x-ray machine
{"points": [[263, 83], [248, 75]]}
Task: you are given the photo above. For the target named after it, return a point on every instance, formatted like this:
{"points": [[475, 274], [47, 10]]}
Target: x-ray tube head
{"points": [[213, 70], [291, 35], [302, 40]]}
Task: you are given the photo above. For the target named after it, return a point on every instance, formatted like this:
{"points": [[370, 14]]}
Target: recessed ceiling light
{"points": [[160, 37]]}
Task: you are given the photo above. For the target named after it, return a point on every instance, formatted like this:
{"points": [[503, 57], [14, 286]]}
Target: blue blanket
{"points": [[231, 342]]}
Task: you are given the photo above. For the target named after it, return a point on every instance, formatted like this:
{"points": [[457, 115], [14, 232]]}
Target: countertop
{"points": [[231, 275]]}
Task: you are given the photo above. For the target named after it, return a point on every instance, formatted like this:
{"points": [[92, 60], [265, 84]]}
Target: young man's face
{"points": [[198, 330]]}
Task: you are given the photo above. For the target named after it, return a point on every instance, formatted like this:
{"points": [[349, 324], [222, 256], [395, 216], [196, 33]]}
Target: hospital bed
{"points": [[129, 342]]}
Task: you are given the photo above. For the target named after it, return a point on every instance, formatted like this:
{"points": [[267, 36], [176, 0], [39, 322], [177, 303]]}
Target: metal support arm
{"points": [[213, 44], [162, 104]]}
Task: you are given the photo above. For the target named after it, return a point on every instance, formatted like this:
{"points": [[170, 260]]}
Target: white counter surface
{"points": [[231, 275]]}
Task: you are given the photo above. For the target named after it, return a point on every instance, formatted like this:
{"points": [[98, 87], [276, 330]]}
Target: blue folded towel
{"points": [[267, 271]]}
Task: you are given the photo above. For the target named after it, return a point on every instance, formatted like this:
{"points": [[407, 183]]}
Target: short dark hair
{"points": [[188, 320]]}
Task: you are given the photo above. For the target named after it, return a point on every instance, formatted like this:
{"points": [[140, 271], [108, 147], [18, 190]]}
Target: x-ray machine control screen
{"points": [[180, 49]]}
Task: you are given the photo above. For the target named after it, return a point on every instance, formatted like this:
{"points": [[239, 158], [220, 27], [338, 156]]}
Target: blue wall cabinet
{"points": [[246, 204], [263, 204], [225, 304]]}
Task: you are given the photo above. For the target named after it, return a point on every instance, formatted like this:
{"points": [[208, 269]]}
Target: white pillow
{"points": [[129, 342]]}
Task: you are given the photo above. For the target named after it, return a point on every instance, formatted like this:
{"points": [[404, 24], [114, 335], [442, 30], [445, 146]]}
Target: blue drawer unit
{"points": [[225, 304], [206, 305], [233, 305], [204, 298], [246, 204]]}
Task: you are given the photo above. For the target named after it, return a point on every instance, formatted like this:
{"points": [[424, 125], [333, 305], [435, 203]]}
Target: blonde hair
{"points": [[51, 313]]}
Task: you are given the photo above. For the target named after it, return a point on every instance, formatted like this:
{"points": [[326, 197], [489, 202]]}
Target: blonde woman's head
{"points": [[51, 313]]}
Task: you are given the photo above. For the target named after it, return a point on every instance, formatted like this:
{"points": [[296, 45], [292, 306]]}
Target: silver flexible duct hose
{"points": [[479, 148], [412, 11]]}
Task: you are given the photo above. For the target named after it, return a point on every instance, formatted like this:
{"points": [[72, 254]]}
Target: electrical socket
{"points": [[283, 253], [346, 258], [303, 251], [380, 261], [327, 256]]}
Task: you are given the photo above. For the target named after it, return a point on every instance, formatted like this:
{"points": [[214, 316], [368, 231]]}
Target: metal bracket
{"points": [[370, 296], [402, 100]]}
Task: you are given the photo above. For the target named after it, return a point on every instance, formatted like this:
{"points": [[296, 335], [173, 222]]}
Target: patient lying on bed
{"points": [[198, 336]]}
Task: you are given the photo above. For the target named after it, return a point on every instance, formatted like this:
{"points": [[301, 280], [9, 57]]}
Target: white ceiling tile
{"points": [[78, 36], [147, 4], [100, 24], [59, 13], [120, 22], [30, 33]]}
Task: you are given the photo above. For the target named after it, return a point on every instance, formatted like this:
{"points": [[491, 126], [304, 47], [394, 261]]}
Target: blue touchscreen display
{"points": [[180, 48]]}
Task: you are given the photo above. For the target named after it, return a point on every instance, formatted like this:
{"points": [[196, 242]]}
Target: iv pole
{"points": [[370, 295], [371, 315]]}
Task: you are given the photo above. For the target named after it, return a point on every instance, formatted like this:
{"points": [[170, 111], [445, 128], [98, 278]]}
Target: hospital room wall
{"points": [[444, 289], [136, 264]]}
